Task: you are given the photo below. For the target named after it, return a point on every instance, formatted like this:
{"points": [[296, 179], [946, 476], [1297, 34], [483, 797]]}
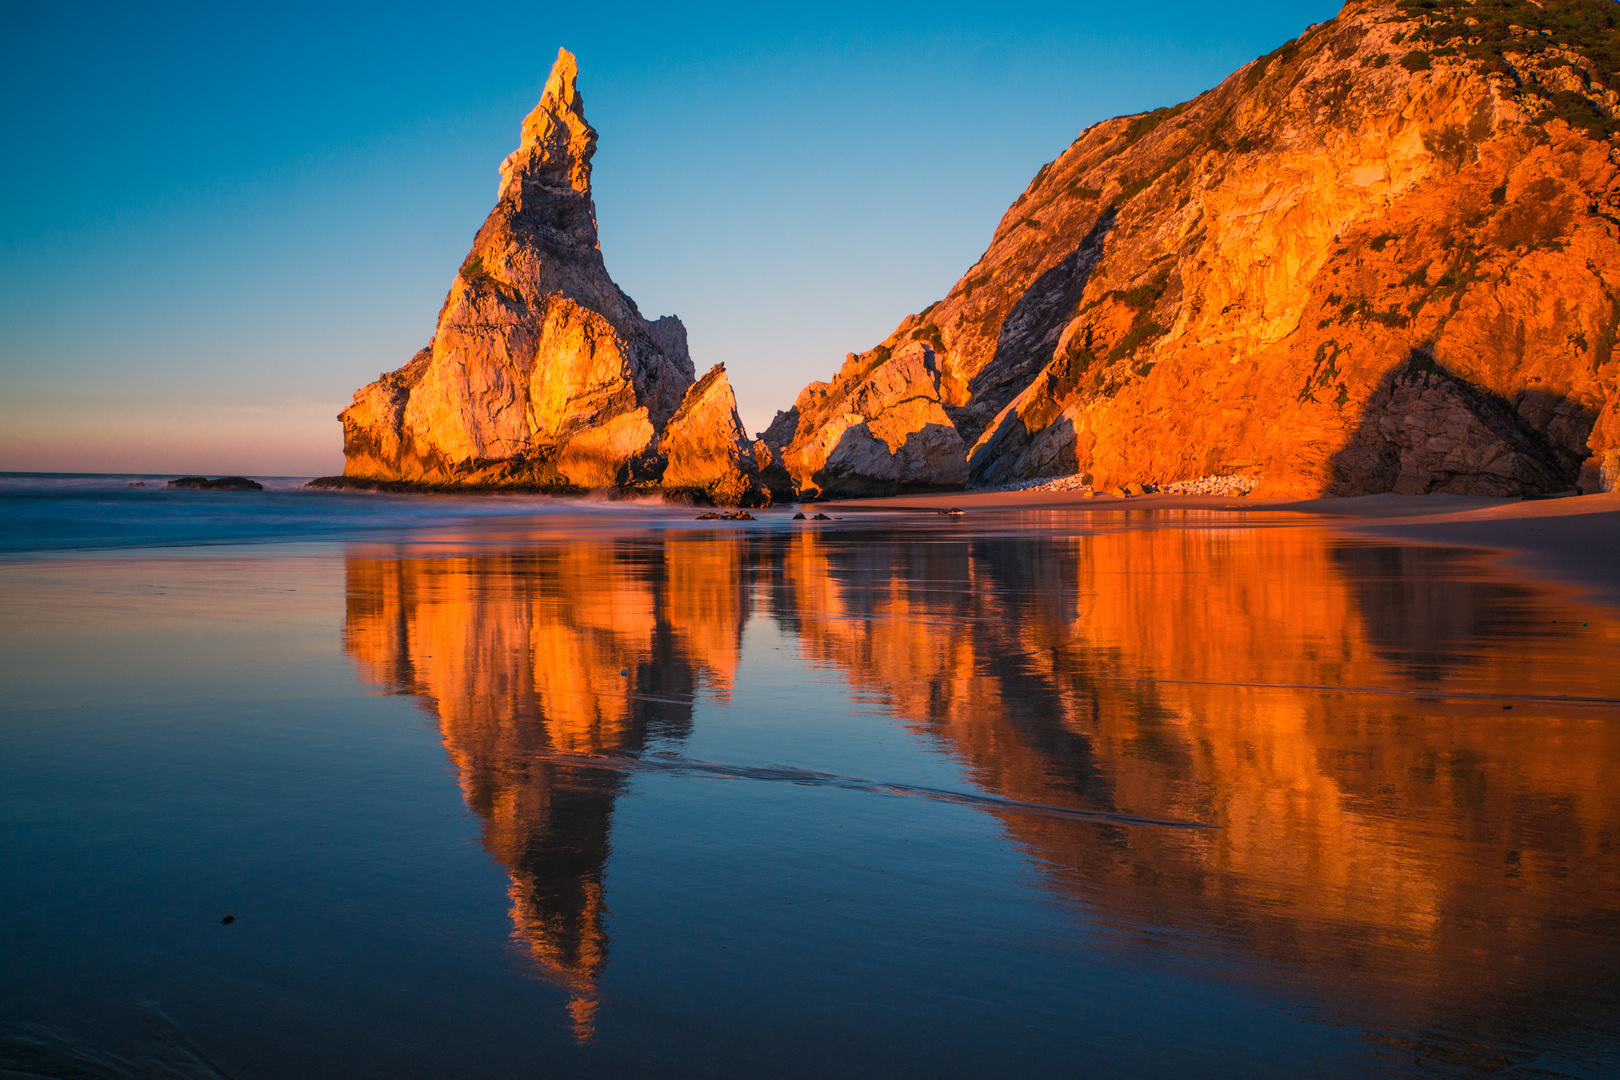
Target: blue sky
{"points": [[216, 224]]}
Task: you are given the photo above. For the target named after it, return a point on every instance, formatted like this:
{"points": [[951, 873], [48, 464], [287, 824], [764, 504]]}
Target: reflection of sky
{"points": [[219, 221]]}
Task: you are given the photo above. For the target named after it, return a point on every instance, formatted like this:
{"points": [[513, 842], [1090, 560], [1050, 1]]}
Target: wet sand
{"points": [[451, 787], [1573, 540]]}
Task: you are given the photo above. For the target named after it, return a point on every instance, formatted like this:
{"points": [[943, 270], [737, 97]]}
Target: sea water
{"points": [[316, 784]]}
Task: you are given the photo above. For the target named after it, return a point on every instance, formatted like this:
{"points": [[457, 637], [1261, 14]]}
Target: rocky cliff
{"points": [[541, 372], [1384, 257]]}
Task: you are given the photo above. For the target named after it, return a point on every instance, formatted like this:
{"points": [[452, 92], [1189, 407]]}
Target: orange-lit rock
{"points": [[880, 426], [541, 371], [1368, 261], [706, 448]]}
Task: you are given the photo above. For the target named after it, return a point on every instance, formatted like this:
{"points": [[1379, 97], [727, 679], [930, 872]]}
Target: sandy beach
{"points": [[1573, 540]]}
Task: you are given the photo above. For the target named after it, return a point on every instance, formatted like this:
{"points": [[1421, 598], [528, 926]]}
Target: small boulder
{"points": [[223, 483]]}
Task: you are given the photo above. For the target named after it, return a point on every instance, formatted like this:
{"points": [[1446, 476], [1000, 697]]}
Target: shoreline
{"points": [[1572, 541]]}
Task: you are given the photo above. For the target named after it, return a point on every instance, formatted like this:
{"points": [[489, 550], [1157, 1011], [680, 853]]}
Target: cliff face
{"points": [[541, 371], [1384, 257]]}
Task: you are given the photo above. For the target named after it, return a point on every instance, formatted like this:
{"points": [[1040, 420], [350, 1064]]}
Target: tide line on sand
{"points": [[677, 765]]}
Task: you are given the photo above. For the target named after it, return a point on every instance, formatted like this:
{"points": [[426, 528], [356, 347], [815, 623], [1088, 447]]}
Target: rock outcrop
{"points": [[1384, 257], [221, 483], [706, 450], [542, 372]]}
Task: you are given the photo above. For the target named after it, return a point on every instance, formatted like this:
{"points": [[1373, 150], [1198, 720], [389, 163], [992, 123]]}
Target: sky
{"points": [[219, 221]]}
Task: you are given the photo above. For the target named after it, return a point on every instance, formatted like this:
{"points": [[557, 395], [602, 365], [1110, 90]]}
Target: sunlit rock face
{"points": [[1382, 258], [541, 370], [707, 451]]}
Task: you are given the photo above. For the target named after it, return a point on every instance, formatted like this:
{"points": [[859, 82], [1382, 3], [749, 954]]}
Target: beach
{"points": [[474, 781], [1574, 540]]}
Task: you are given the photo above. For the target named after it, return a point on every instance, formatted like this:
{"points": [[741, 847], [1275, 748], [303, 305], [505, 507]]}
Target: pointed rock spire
{"points": [[541, 370], [561, 86], [557, 143]]}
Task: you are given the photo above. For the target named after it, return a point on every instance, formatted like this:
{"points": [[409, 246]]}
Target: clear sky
{"points": [[217, 221]]}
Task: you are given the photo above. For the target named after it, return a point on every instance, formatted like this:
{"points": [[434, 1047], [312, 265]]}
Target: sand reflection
{"points": [[1412, 764]]}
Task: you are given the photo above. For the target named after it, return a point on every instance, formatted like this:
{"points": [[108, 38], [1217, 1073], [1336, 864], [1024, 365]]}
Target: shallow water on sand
{"points": [[587, 790]]}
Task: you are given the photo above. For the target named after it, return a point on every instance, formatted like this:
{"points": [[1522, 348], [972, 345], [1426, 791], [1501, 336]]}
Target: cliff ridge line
{"points": [[1383, 257]]}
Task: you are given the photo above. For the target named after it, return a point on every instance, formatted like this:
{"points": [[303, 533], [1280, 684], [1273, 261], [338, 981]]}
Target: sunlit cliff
{"points": [[1382, 257]]}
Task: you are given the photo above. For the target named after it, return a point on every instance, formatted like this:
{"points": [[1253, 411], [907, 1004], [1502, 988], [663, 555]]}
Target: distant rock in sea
{"points": [[1383, 257], [542, 374], [222, 483]]}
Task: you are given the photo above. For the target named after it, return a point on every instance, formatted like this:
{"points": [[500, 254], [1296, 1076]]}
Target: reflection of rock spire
{"points": [[1079, 671], [558, 908], [519, 657]]}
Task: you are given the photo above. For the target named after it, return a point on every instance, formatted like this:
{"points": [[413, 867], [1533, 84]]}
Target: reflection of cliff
{"points": [[573, 649], [1430, 854], [1413, 848]]}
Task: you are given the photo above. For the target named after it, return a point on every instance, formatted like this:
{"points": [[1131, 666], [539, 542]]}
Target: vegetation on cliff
{"points": [[1384, 256]]}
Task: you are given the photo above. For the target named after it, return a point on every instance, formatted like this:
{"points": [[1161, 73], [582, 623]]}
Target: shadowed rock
{"points": [[222, 483]]}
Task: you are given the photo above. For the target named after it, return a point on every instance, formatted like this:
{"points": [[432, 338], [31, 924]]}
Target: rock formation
{"points": [[221, 483], [1384, 257], [542, 372], [706, 450]]}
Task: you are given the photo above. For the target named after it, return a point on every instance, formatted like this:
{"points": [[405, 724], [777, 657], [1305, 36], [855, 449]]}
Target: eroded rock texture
{"points": [[707, 451], [1383, 257], [541, 371]]}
